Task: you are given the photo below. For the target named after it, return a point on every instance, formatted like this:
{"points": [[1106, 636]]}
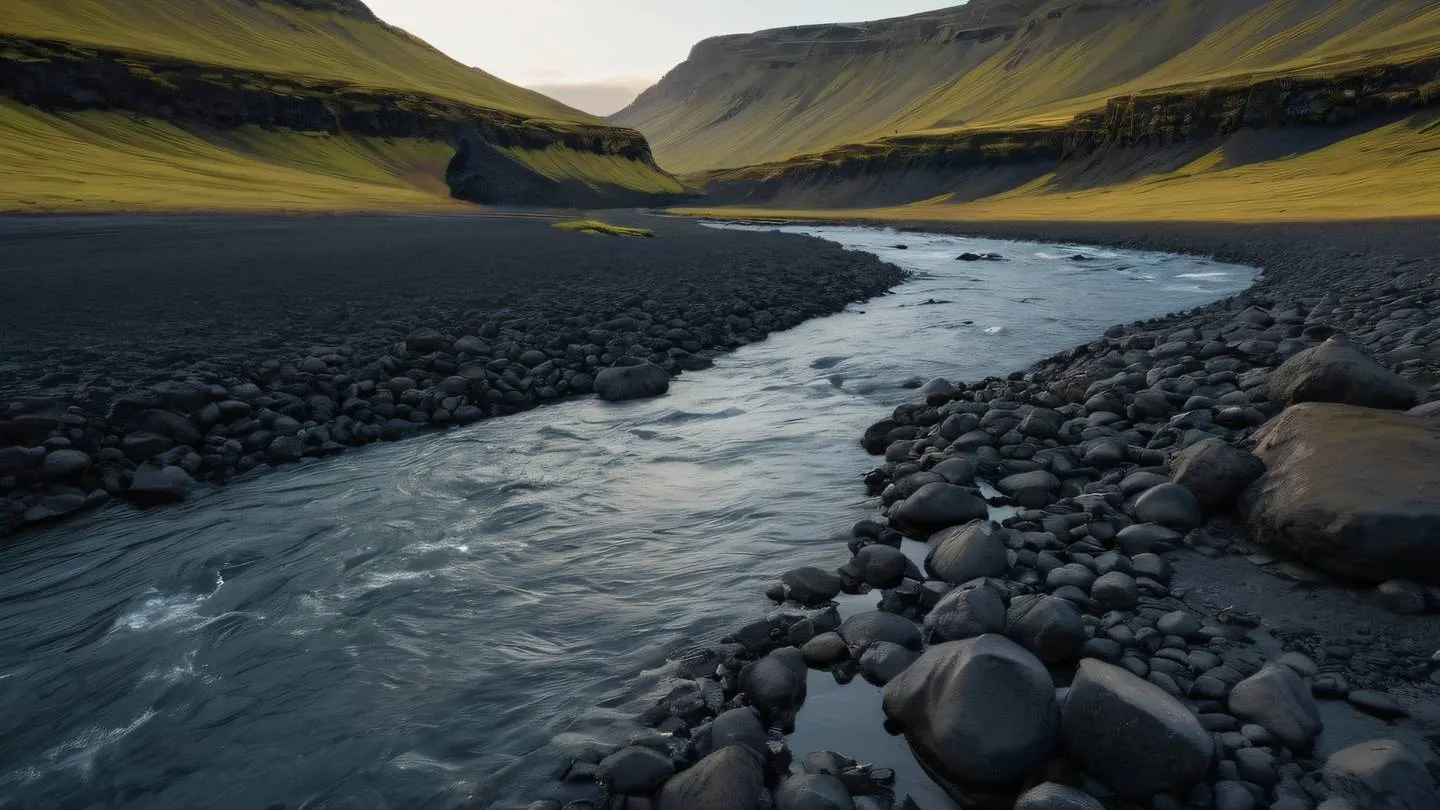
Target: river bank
{"points": [[1194, 664], [145, 356]]}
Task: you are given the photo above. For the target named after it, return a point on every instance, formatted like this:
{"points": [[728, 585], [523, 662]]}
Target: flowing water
{"points": [[398, 627]]}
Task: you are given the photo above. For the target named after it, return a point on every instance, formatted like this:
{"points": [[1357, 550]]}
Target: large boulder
{"points": [[864, 629], [635, 769], [937, 506], [1278, 699], [1131, 734], [640, 381], [776, 684], [976, 711], [962, 553], [813, 791], [1352, 491], [732, 778], [1170, 505], [1052, 796], [1337, 371], [154, 485], [1381, 774], [970, 610], [1215, 471], [1048, 626]]}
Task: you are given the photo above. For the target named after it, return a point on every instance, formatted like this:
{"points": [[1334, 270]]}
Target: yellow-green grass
{"points": [[598, 228], [262, 36], [1389, 171], [595, 170], [739, 108], [106, 161]]}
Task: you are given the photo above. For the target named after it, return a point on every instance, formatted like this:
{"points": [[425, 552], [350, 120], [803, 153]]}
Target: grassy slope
{"points": [[740, 108], [100, 161], [1388, 171], [272, 38]]}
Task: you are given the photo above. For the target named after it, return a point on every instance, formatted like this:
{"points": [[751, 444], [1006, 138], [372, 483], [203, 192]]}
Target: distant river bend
{"points": [[382, 629]]}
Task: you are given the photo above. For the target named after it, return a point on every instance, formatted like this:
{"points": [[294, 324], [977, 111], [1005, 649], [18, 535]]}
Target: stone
{"points": [[967, 611], [154, 486], [1053, 796], [1381, 774], [1401, 596], [878, 566], [937, 506], [775, 685], [863, 629], [824, 650], [1278, 699], [1048, 626], [1336, 371], [883, 661], [635, 769], [1170, 505], [1377, 703], [1350, 491], [1034, 488], [976, 711], [1131, 734], [285, 449], [1146, 538], [1233, 796], [1216, 472], [1115, 591], [740, 727], [811, 586], [642, 381], [813, 791], [62, 464], [731, 778], [964, 553]]}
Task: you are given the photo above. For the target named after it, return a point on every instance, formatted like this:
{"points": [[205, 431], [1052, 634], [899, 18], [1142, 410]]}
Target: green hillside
{"points": [[271, 105], [997, 64]]}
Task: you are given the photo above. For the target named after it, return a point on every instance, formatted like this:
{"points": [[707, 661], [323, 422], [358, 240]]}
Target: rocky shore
{"points": [[1192, 564], [147, 357]]}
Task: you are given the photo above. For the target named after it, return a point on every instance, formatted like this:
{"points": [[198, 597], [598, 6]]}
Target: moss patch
{"points": [[598, 228]]}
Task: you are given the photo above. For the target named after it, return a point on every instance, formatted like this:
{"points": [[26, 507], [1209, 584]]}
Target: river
{"points": [[401, 626]]}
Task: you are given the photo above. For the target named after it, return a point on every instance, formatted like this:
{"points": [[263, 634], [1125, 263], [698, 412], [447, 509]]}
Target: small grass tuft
{"points": [[595, 226]]}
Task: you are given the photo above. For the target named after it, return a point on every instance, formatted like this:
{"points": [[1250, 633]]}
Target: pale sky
{"points": [[598, 54]]}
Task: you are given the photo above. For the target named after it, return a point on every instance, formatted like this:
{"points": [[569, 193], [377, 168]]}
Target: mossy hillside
{"points": [[770, 96], [274, 38], [113, 161], [1386, 171]]}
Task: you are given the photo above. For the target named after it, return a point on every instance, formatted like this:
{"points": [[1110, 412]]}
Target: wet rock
{"points": [[825, 650], [1233, 796], [741, 727], [937, 506], [732, 778], [980, 711], [1115, 591], [1053, 796], [285, 449], [1336, 371], [1048, 626], [1381, 774], [1376, 703], [1130, 734], [1277, 698], [813, 791], [1035, 488], [970, 610], [155, 486], [1170, 505], [776, 684], [1401, 596], [1342, 491], [863, 629], [811, 586], [877, 566], [1146, 538], [883, 661], [964, 553], [634, 769], [63, 464], [1216, 472], [642, 381]]}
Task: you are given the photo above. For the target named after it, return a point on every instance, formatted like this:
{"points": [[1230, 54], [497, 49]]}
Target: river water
{"points": [[399, 627]]}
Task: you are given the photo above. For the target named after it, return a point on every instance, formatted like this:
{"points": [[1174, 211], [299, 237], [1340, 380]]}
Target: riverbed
{"points": [[404, 625]]}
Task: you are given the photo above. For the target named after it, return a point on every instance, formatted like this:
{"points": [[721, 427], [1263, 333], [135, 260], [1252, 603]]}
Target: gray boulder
{"points": [[732, 778], [1048, 626], [863, 629], [740, 727], [619, 383], [1170, 505], [878, 566], [1216, 472], [65, 464], [937, 506], [1278, 699], [884, 660], [1381, 774], [813, 791], [775, 685], [1350, 491], [963, 553], [976, 711], [811, 586], [825, 650], [153, 486], [1116, 590], [1337, 371], [1131, 734], [1053, 796], [970, 610], [635, 769], [1035, 488]]}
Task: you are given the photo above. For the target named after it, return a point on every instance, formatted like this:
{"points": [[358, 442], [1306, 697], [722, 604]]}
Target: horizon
{"points": [[599, 60]]}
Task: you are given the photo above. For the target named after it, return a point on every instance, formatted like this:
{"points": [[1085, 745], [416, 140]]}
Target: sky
{"points": [[597, 55]]}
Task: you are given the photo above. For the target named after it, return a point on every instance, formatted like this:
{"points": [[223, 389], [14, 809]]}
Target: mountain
{"points": [[999, 65], [293, 104]]}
